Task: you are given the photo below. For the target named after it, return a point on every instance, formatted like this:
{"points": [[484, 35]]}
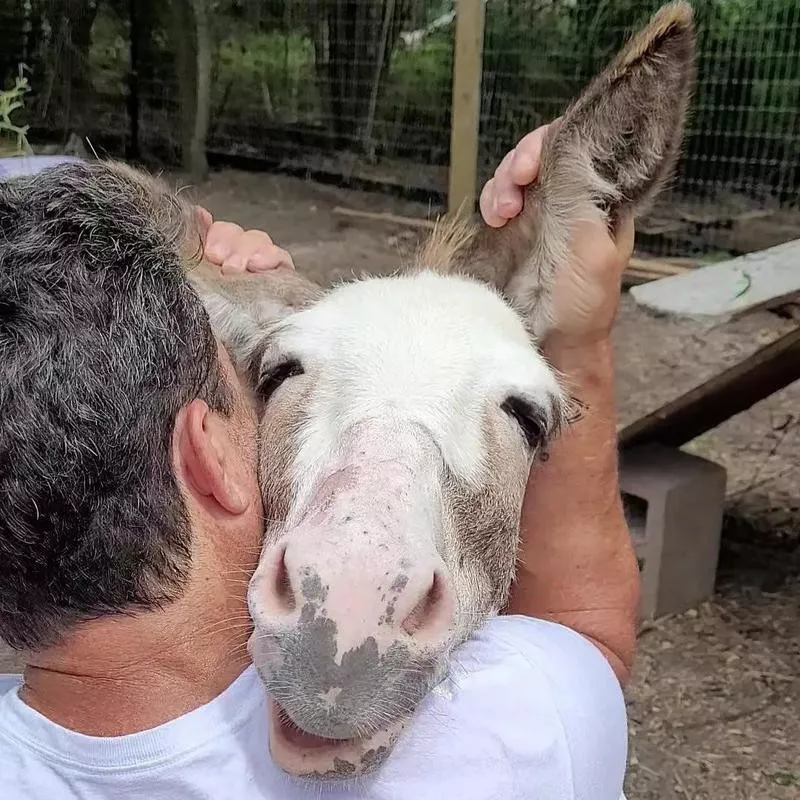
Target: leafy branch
{"points": [[12, 100]]}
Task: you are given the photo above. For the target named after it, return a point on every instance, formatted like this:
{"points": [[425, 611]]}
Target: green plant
{"points": [[265, 75], [414, 107], [11, 101]]}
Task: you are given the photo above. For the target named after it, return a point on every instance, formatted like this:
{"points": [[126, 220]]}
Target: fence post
{"points": [[465, 121]]}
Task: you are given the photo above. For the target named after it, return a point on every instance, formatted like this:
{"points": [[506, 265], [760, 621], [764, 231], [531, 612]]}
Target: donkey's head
{"points": [[399, 419]]}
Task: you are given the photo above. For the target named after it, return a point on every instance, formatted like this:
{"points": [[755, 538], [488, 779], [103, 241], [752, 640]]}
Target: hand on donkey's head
{"points": [[234, 250]]}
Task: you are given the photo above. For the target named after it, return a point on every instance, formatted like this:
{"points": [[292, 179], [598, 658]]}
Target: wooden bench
{"points": [[675, 501]]}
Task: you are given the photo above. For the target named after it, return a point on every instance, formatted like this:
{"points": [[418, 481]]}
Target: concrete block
{"points": [[674, 502]]}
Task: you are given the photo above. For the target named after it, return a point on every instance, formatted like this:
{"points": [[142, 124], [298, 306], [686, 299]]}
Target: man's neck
{"points": [[130, 673]]}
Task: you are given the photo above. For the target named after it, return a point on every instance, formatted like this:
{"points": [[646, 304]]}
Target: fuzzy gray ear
{"points": [[611, 153], [242, 308]]}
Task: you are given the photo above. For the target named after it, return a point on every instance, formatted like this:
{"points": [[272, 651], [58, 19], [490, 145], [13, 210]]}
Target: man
{"points": [[122, 419]]}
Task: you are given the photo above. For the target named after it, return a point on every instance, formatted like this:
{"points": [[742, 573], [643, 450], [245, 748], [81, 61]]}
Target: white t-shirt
{"points": [[530, 710]]}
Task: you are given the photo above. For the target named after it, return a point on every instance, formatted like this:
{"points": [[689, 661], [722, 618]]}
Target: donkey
{"points": [[399, 419]]}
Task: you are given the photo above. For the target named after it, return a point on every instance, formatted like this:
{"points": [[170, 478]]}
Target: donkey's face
{"points": [[404, 432], [399, 418]]}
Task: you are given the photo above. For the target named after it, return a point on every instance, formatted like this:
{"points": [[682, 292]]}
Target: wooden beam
{"points": [[465, 121], [719, 292], [664, 267], [767, 371], [383, 216]]}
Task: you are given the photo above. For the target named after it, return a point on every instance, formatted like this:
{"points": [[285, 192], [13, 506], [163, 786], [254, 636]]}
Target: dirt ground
{"points": [[715, 703]]}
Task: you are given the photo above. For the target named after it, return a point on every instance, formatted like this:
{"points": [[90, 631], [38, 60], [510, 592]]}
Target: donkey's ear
{"points": [[610, 154], [243, 308], [624, 132]]}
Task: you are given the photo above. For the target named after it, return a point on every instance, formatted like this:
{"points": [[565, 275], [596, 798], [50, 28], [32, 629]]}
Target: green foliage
{"points": [[746, 117], [266, 74], [744, 132], [414, 109], [528, 71], [13, 137]]}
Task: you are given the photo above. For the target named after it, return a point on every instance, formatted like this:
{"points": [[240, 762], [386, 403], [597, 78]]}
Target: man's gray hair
{"points": [[102, 342]]}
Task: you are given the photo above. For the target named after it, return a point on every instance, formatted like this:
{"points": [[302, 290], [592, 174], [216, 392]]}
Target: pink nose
{"points": [[387, 599]]}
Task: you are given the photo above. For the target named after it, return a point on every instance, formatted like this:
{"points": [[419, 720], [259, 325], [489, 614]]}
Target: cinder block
{"points": [[674, 502]]}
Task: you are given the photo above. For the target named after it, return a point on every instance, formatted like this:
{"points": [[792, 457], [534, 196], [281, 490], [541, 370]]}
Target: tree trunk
{"points": [[69, 81], [367, 142], [356, 58], [185, 47], [132, 150], [198, 163]]}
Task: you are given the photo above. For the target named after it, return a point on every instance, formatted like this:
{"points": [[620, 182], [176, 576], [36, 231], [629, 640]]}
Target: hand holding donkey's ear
{"points": [[586, 289], [603, 161]]}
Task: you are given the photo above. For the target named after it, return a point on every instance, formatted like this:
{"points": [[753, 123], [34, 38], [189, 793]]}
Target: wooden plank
{"points": [[720, 292], [724, 217], [664, 267], [465, 122], [767, 371], [635, 277], [383, 216]]}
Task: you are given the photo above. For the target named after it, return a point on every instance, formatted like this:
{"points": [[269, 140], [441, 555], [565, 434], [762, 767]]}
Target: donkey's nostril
{"points": [[282, 584], [430, 615]]}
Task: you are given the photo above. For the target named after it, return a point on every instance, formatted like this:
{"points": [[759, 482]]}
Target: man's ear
{"points": [[208, 463]]}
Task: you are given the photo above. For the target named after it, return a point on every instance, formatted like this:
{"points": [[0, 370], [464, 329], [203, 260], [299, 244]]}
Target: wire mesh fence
{"points": [[362, 89]]}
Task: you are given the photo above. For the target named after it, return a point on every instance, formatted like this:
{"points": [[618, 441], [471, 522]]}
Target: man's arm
{"points": [[576, 560]]}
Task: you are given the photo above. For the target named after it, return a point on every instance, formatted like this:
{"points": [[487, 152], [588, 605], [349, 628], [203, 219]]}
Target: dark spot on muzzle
{"points": [[347, 699], [374, 757], [312, 588]]}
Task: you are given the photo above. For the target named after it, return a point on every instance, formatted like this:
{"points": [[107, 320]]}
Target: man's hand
{"points": [[586, 291], [236, 250], [576, 560]]}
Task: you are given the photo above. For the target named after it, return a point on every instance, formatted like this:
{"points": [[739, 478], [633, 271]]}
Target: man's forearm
{"points": [[577, 565]]}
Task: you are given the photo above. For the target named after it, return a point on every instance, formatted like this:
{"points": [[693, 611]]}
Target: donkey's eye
{"points": [[531, 420], [272, 379]]}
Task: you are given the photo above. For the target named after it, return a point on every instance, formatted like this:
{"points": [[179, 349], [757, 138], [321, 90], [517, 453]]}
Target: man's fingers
{"points": [[255, 252], [490, 216], [204, 221], [249, 248], [506, 201], [525, 168], [274, 258], [503, 196], [221, 240]]}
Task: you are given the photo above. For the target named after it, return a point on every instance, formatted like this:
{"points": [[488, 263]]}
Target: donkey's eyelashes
{"points": [[531, 420], [272, 378]]}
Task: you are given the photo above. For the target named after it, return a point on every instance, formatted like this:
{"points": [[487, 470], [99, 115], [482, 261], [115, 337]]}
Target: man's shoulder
{"points": [[529, 709], [213, 751], [551, 651], [532, 706]]}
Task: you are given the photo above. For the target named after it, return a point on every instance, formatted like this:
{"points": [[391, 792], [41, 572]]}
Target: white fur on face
{"points": [[430, 350]]}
